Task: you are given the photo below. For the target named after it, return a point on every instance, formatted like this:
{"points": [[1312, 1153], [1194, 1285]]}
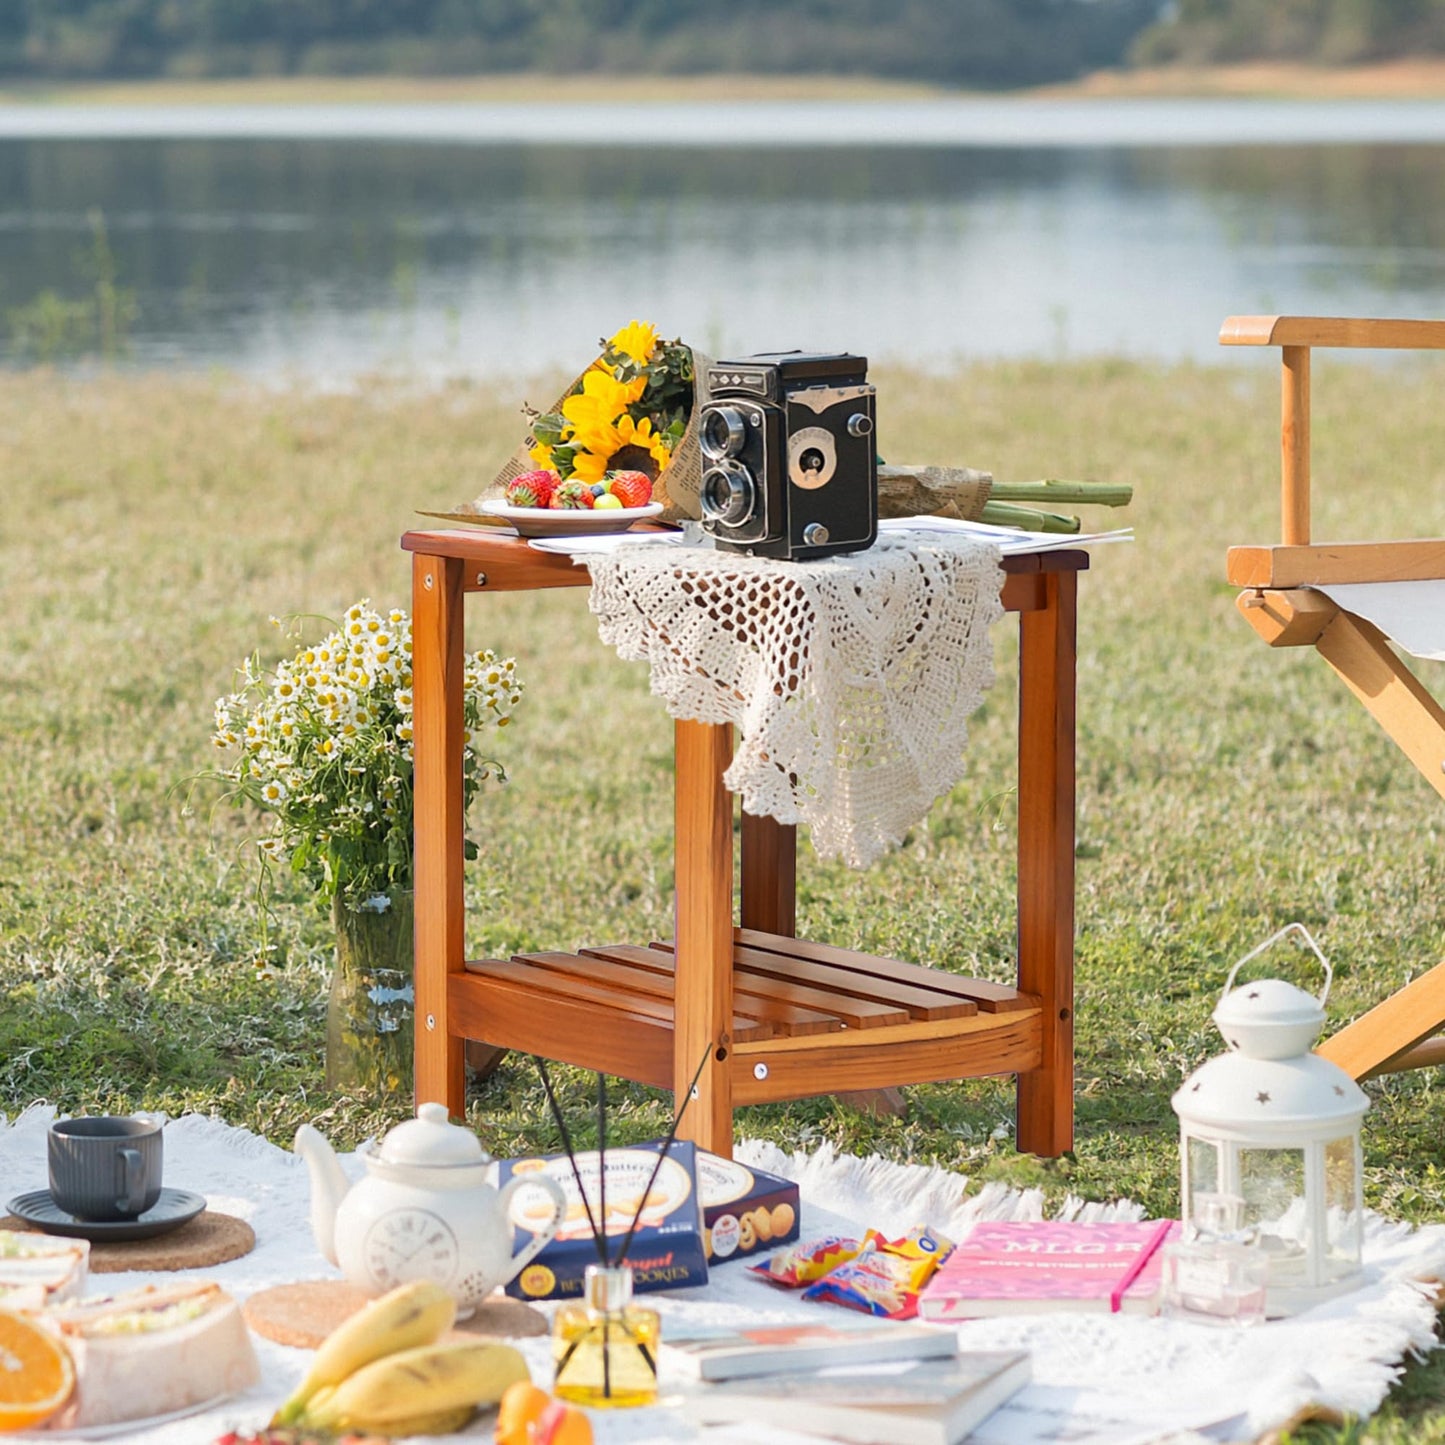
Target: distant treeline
{"points": [[963, 42], [1330, 32]]}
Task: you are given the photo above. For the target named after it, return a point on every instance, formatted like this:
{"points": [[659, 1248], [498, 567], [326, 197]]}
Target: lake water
{"points": [[332, 240]]}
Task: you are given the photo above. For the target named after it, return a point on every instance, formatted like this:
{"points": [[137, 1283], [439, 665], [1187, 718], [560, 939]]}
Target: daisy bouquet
{"points": [[629, 411], [322, 743]]}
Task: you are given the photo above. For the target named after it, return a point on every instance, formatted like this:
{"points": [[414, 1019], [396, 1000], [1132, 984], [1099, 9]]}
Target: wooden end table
{"points": [[779, 1017]]}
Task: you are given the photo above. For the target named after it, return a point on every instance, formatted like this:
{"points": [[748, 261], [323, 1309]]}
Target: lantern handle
{"points": [[1304, 933]]}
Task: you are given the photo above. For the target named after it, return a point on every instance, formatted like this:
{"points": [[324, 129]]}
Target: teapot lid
{"points": [[431, 1139]]}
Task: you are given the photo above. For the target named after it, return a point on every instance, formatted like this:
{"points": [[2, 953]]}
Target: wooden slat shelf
{"points": [[839, 1029]]}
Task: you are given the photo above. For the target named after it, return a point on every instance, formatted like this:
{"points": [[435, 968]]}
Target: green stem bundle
{"points": [[1061, 493]]}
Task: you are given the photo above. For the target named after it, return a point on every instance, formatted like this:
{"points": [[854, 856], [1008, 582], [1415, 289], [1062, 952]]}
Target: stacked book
{"points": [[878, 1383]]}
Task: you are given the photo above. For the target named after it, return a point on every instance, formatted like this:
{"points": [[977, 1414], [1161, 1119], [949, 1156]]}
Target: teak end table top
{"points": [[767, 1015]]}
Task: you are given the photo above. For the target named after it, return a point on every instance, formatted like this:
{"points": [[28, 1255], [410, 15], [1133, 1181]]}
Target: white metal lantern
{"points": [[1269, 1140]]}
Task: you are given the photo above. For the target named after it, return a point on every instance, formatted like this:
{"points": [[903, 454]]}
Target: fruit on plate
{"points": [[431, 1390], [607, 503], [573, 496], [529, 1416], [632, 489], [36, 1373], [414, 1314], [531, 489]]}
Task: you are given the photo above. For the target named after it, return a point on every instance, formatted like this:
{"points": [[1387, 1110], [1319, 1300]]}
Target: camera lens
{"points": [[723, 433], [729, 495]]}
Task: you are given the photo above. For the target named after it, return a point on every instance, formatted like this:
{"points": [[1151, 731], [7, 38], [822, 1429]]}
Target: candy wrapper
{"points": [[886, 1277], [806, 1261]]}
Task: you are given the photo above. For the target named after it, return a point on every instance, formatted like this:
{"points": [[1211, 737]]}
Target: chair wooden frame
{"points": [[1280, 604], [775, 1016]]}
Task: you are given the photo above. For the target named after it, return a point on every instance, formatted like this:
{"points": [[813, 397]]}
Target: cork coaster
{"points": [[207, 1240], [304, 1314]]}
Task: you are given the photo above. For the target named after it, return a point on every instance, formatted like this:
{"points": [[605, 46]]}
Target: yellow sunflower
{"points": [[638, 339], [598, 448], [601, 399], [542, 455], [590, 467]]}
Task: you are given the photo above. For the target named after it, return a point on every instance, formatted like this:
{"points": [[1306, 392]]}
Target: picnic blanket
{"points": [[1163, 1376]]}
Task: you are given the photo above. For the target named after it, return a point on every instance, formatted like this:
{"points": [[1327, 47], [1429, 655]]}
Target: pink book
{"points": [[1028, 1268]]}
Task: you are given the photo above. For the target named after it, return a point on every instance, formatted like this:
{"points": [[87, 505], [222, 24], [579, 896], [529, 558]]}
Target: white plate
{"points": [[121, 1427], [565, 522]]}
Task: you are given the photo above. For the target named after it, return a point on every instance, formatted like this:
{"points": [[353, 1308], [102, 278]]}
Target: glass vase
{"points": [[370, 1011], [604, 1347]]}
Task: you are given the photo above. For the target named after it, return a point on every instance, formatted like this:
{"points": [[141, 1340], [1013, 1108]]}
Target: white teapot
{"points": [[424, 1211]]}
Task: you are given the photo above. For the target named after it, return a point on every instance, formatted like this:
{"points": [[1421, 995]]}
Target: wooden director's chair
{"points": [[1280, 603]]}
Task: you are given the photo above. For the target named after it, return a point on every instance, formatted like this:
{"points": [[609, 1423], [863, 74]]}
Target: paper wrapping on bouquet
{"points": [[850, 679], [960, 492], [677, 488]]}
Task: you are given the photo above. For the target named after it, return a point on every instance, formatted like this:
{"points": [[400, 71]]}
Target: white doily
{"points": [[850, 680]]}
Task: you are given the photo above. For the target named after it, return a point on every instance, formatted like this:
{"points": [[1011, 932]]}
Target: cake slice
{"points": [[37, 1270], [152, 1351]]}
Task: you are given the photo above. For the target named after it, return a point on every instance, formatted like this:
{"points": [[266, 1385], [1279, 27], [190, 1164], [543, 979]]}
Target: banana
{"points": [[445, 1423], [426, 1382], [412, 1315]]}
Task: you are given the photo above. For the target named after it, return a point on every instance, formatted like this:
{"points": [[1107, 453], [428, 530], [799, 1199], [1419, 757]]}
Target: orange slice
{"points": [[36, 1376]]}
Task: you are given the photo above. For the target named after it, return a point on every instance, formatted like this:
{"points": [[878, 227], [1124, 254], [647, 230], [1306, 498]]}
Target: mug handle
{"points": [[131, 1181], [538, 1242]]}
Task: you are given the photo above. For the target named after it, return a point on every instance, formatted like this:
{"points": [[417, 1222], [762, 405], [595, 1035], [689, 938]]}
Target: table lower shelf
{"points": [[808, 1018]]}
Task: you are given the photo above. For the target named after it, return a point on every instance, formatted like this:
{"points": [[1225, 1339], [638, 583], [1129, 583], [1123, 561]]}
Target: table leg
{"points": [[438, 660], [703, 1001], [1047, 642], [768, 890]]}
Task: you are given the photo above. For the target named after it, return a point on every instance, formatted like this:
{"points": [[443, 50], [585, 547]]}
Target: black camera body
{"points": [[789, 467]]}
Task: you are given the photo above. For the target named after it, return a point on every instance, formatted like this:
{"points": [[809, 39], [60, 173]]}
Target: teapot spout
{"points": [[328, 1187]]}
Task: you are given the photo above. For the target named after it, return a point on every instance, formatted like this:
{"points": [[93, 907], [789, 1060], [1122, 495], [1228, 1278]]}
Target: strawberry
{"points": [[632, 489], [573, 496], [531, 489]]}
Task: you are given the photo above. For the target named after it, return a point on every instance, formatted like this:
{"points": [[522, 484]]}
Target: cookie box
{"points": [[744, 1210], [667, 1249]]}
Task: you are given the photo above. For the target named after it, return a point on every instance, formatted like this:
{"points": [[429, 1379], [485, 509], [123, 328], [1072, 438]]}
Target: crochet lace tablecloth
{"points": [[850, 680], [1172, 1374]]}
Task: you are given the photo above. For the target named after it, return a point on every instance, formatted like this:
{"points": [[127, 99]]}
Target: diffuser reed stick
{"points": [[597, 1234], [662, 1154], [602, 1158]]}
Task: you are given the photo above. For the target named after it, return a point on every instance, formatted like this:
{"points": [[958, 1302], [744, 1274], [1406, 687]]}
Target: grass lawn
{"points": [[150, 527]]}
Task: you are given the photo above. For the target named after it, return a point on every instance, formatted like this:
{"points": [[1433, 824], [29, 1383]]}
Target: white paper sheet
{"points": [[1011, 542], [1409, 613]]}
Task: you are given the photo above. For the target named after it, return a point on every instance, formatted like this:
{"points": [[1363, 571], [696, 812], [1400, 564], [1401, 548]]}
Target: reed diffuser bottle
{"points": [[604, 1349]]}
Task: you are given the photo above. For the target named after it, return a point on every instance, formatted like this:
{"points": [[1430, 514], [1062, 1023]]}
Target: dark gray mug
{"points": [[105, 1167]]}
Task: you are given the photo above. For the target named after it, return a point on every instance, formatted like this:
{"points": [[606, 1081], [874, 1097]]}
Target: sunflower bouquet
{"points": [[628, 411]]}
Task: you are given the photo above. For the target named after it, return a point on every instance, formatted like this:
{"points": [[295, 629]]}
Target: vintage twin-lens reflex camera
{"points": [[788, 463]]}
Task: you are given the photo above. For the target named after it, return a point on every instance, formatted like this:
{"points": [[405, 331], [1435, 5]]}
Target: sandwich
{"points": [[152, 1351], [37, 1270]]}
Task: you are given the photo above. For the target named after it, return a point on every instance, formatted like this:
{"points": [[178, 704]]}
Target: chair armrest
{"points": [[1333, 331]]}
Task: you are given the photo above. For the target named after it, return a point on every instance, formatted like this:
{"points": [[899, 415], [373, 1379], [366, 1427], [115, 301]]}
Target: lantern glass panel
{"points": [[1272, 1184], [1342, 1214], [1203, 1172]]}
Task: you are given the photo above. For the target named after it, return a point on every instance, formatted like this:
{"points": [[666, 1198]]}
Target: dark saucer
{"points": [[174, 1208]]}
